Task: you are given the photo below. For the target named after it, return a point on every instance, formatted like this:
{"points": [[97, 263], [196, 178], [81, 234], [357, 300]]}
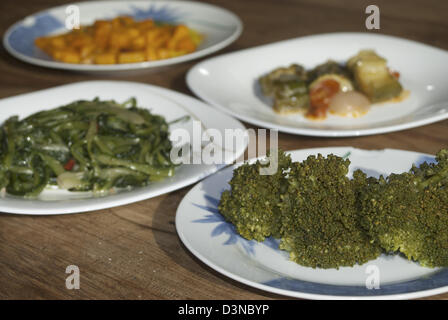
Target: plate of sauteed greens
{"points": [[99, 144], [325, 223], [98, 36], [340, 84]]}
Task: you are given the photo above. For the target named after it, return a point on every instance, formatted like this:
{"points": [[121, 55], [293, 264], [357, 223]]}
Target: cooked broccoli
{"points": [[251, 204], [326, 220], [3, 150], [408, 212], [320, 221]]}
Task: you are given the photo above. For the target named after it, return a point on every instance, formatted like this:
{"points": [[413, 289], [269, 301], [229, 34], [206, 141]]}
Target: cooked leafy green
{"points": [[85, 145]]}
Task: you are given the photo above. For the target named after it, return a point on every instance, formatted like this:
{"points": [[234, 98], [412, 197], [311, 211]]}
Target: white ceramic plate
{"points": [[262, 265], [220, 27], [170, 104], [230, 83]]}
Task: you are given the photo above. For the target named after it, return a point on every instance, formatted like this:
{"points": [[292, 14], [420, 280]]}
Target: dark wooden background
{"points": [[133, 251]]}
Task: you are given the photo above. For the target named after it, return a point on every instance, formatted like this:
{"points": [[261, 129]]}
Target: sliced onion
{"points": [[349, 104], [70, 180]]}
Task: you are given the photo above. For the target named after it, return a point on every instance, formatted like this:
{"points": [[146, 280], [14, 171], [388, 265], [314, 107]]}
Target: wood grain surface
{"points": [[133, 251]]}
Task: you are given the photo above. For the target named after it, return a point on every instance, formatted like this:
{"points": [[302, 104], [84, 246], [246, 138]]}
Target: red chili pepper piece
{"points": [[69, 165]]}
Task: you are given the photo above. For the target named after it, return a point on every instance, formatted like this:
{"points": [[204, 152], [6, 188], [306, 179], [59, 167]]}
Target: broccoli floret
{"points": [[251, 204], [320, 221], [408, 212]]}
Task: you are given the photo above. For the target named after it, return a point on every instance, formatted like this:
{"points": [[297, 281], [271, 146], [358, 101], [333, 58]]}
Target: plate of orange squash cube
{"points": [[121, 35]]}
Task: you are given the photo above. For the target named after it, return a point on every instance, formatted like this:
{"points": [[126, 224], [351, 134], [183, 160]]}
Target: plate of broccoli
{"points": [[327, 223], [328, 85]]}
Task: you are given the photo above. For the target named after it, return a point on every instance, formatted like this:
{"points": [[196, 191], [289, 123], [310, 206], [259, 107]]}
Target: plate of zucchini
{"points": [[332, 85], [99, 144]]}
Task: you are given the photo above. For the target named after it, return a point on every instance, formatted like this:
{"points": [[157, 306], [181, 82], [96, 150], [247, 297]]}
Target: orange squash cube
{"points": [[105, 58], [131, 57]]}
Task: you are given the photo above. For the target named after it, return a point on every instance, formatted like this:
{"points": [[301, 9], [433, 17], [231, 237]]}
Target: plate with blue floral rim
{"points": [[262, 265], [218, 26]]}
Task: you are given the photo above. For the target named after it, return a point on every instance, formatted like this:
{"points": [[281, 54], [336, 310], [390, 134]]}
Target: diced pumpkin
{"points": [[151, 54], [181, 31], [57, 42], [120, 40], [131, 57], [163, 53], [139, 43], [106, 58], [67, 56], [186, 44]]}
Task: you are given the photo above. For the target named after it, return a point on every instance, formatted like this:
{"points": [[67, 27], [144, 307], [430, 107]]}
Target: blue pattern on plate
{"points": [[436, 280], [157, 13], [423, 159], [22, 37], [223, 227]]}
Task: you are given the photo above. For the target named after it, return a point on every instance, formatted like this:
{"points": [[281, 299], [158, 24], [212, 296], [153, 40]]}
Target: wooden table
{"points": [[133, 251]]}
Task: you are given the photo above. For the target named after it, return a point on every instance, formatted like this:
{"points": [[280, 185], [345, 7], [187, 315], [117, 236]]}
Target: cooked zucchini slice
{"points": [[329, 67], [372, 77], [296, 103], [274, 80], [288, 87]]}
